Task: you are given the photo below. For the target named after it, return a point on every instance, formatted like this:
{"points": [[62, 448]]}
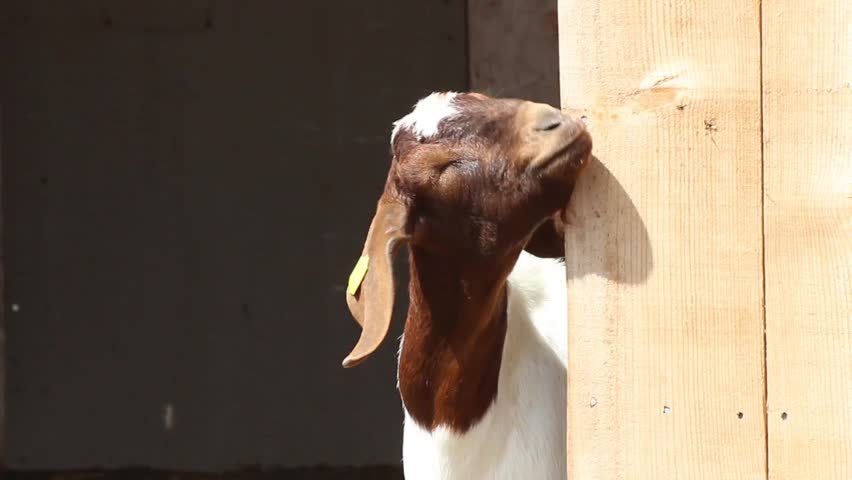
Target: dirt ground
{"points": [[313, 473]]}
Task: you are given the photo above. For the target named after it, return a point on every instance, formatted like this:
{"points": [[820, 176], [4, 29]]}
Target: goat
{"points": [[476, 189]]}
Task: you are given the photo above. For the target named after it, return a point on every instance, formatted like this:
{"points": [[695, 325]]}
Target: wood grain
{"points": [[807, 88], [664, 250]]}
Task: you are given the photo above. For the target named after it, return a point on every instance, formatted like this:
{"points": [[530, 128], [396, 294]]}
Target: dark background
{"points": [[186, 186]]}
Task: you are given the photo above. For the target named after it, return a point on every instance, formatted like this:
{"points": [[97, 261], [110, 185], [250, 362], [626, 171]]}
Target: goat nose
{"points": [[577, 123], [574, 126]]}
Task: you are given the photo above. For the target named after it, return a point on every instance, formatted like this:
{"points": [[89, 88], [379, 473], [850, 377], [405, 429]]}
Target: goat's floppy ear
{"points": [[370, 293], [548, 240]]}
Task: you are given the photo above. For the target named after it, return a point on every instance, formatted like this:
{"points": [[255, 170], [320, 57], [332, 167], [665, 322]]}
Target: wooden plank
{"points": [[664, 250], [807, 75]]}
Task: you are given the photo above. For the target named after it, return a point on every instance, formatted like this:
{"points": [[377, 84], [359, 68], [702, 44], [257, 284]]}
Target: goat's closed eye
{"points": [[455, 163], [452, 163]]}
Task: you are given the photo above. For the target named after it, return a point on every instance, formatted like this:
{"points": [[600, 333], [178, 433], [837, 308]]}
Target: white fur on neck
{"points": [[522, 436], [427, 114]]}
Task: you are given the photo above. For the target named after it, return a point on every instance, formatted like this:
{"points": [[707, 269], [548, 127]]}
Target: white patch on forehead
{"points": [[427, 114]]}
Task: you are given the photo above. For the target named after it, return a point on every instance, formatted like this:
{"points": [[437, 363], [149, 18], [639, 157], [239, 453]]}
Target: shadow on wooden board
{"points": [[601, 210]]}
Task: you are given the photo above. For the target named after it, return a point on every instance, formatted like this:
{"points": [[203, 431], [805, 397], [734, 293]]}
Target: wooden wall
{"points": [[807, 145], [718, 209]]}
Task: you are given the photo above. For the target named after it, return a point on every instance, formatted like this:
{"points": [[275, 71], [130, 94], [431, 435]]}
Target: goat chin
{"points": [[523, 433]]}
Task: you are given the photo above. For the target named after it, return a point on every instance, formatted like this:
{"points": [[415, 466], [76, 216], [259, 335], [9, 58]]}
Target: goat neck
{"points": [[450, 361]]}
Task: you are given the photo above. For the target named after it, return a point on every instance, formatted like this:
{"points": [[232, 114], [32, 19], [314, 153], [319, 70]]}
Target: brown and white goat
{"points": [[473, 183]]}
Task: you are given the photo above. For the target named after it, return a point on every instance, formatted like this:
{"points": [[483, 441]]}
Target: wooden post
{"points": [[664, 250], [807, 112]]}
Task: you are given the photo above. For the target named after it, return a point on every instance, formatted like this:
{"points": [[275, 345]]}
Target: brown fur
{"points": [[488, 185]]}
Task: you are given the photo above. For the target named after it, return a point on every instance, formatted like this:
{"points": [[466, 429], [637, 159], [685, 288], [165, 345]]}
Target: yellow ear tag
{"points": [[357, 275]]}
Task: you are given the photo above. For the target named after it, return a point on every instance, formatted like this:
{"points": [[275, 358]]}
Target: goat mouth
{"points": [[574, 153]]}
